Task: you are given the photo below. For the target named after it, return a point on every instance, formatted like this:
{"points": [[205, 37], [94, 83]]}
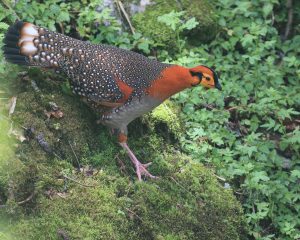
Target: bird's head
{"points": [[205, 76]]}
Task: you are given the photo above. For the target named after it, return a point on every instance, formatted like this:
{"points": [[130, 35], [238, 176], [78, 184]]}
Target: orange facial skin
{"points": [[207, 81], [176, 78], [209, 77]]}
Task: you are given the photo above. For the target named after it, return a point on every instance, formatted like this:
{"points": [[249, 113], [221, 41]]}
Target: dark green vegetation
{"points": [[148, 22], [249, 133]]}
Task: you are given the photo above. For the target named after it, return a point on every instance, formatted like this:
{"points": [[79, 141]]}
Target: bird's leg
{"points": [[118, 119], [141, 169]]}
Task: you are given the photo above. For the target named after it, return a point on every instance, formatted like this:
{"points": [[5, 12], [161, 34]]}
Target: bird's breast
{"points": [[171, 80]]}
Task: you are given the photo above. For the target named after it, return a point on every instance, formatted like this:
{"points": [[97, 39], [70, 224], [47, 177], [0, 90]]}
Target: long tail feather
{"points": [[11, 47], [27, 44]]}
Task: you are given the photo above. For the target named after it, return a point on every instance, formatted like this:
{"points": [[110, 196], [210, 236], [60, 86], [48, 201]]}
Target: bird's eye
{"points": [[207, 78]]}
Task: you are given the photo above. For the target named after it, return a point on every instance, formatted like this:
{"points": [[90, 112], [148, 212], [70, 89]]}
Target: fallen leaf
{"points": [[55, 114]]}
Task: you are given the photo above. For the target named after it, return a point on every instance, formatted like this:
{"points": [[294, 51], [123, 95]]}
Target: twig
{"points": [[8, 119], [61, 27], [6, 4], [289, 5], [220, 178], [134, 214], [273, 18], [11, 195], [56, 155], [12, 105], [27, 199], [122, 165], [22, 202], [81, 184], [61, 195], [184, 188], [75, 155], [235, 107], [238, 193], [121, 6]]}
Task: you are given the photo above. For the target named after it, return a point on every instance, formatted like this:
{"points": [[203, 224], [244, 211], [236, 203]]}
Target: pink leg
{"points": [[141, 169]]}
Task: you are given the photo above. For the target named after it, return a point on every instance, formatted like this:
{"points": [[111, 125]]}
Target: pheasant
{"points": [[125, 83]]}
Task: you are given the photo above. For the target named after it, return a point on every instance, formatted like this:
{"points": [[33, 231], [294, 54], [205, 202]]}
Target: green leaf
{"points": [[3, 26], [144, 46], [259, 176], [190, 24], [267, 9], [63, 17], [295, 173]]}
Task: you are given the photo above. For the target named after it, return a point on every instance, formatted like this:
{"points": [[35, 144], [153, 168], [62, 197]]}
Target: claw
{"points": [[141, 169], [147, 164]]}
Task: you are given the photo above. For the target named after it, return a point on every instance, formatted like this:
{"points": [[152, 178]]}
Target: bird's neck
{"points": [[172, 80]]}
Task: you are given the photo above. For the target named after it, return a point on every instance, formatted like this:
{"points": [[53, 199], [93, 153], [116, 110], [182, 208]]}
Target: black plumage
{"points": [[94, 70]]}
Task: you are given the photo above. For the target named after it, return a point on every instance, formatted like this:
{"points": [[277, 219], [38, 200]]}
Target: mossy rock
{"points": [[168, 114], [106, 201], [64, 141], [205, 14], [146, 22], [61, 134], [186, 203]]}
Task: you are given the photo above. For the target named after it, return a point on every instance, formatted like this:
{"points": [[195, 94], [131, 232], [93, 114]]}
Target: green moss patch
{"points": [[187, 203], [85, 187]]}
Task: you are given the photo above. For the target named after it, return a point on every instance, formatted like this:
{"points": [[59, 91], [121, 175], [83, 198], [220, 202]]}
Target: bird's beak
{"points": [[216, 78], [218, 86]]}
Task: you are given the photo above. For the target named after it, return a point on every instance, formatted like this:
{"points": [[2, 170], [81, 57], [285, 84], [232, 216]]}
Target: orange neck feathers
{"points": [[172, 80]]}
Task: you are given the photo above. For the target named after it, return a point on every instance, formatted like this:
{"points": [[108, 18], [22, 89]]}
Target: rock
{"points": [[146, 22]]}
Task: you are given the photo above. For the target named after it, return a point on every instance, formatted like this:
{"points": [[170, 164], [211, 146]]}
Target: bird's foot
{"points": [[141, 169]]}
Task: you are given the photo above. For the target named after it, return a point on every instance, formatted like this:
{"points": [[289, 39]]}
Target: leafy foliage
{"points": [[250, 131], [72, 180], [174, 21]]}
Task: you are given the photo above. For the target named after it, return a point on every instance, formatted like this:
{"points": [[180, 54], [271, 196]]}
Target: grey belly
{"points": [[120, 117]]}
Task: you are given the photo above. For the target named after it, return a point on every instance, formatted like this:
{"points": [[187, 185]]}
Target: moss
{"points": [[146, 22], [103, 200], [85, 213], [166, 113], [186, 203], [29, 167], [4, 235], [61, 134], [205, 14]]}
